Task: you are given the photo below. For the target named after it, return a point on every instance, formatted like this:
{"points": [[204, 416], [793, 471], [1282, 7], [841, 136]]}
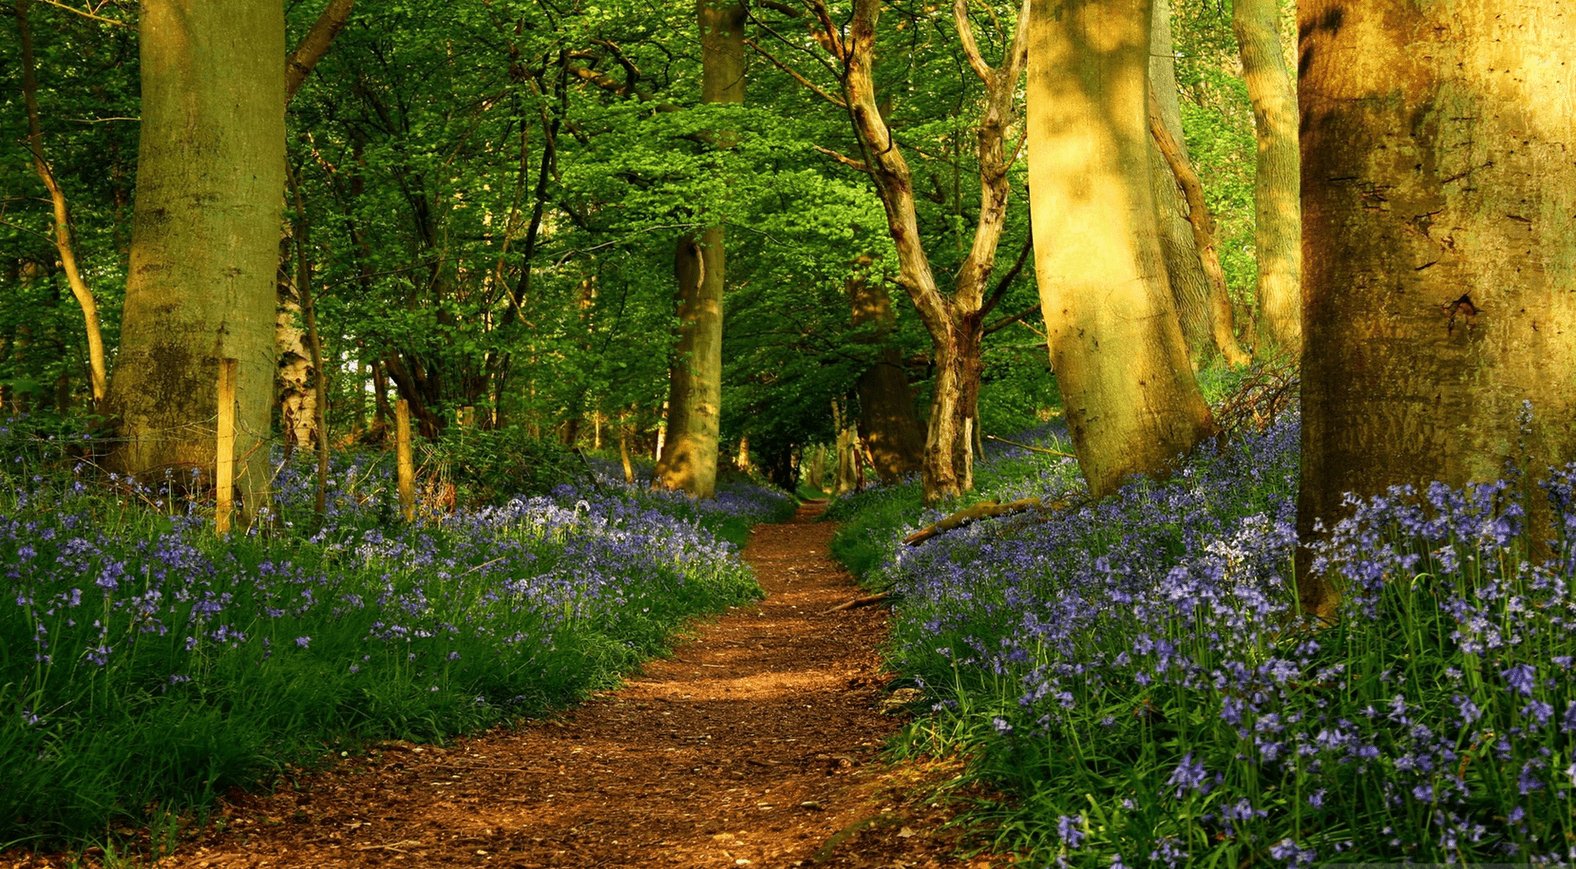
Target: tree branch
{"points": [[1008, 321], [784, 8], [315, 44], [99, 18], [797, 76], [827, 33], [1000, 290], [971, 49]]}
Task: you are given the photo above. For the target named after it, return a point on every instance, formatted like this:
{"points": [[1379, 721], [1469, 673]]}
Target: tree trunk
{"points": [[1132, 403], [953, 320], [200, 287], [1189, 284], [1276, 198], [886, 403], [689, 457], [847, 456], [1202, 225], [64, 244], [297, 395], [1438, 190]]}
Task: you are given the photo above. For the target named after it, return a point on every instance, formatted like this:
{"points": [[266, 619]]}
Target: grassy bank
{"points": [[148, 666], [1130, 675]]}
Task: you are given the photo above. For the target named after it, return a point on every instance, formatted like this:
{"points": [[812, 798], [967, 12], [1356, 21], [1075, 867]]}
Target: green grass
{"points": [[148, 667]]}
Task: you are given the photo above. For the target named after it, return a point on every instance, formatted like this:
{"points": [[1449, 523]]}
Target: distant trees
{"points": [[953, 317], [1438, 191], [495, 193], [205, 236], [1276, 203]]}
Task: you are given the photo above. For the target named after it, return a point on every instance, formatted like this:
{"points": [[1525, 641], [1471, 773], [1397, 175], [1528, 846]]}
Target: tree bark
{"points": [[847, 479], [1202, 226], [886, 403], [205, 234], [1438, 250], [1132, 403], [1189, 284], [689, 456], [1276, 181], [65, 245]]}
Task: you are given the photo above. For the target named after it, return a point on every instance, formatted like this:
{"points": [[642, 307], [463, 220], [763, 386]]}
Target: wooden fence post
{"points": [[224, 466], [407, 469]]}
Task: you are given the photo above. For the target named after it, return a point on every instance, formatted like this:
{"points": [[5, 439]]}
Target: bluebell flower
{"points": [[1522, 678]]}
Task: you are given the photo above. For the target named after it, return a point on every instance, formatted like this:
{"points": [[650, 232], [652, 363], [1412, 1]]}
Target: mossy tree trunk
{"points": [[205, 235], [1276, 180], [887, 414], [689, 455]]}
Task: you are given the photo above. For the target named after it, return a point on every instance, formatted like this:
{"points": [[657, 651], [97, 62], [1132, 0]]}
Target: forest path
{"points": [[756, 744]]}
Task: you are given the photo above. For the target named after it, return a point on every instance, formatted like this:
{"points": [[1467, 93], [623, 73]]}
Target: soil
{"points": [[758, 743]]}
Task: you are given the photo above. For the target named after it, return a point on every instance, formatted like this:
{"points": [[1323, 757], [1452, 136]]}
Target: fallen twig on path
{"points": [[858, 602]]}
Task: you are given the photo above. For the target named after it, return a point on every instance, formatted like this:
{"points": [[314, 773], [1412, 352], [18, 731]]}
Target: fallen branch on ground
{"points": [[856, 603], [1045, 450], [986, 510]]}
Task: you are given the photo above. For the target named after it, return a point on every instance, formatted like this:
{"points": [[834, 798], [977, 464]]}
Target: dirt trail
{"points": [[757, 744]]}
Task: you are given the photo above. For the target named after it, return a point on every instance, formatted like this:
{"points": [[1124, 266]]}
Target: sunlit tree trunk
{"points": [[847, 449], [65, 246], [886, 403], [1189, 284], [1438, 190], [204, 250], [689, 456], [1132, 403], [1276, 205]]}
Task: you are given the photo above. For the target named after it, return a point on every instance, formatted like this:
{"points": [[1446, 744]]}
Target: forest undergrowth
{"points": [[1132, 674], [148, 666]]}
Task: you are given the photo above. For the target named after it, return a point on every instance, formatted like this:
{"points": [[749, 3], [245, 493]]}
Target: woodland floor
{"points": [[757, 744]]}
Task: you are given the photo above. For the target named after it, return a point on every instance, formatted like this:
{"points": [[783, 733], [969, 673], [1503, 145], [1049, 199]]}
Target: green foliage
{"points": [[492, 466]]}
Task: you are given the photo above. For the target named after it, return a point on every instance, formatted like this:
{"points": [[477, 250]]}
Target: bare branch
{"points": [[1004, 322], [857, 165], [784, 8], [631, 72], [797, 76], [86, 14], [1000, 290], [971, 49]]}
